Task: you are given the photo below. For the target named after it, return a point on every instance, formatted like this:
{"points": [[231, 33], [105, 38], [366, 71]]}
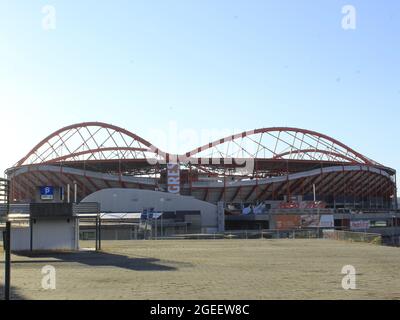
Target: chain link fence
{"points": [[352, 236], [373, 238], [253, 234]]}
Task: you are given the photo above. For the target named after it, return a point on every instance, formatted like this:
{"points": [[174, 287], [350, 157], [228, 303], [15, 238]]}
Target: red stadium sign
{"points": [[173, 178]]}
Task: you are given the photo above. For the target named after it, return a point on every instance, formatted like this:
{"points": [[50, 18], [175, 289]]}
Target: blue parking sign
{"points": [[47, 193]]}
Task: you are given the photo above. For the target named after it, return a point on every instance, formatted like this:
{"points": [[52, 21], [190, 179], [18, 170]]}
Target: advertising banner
{"points": [[359, 224], [316, 221], [327, 221], [379, 223], [304, 221], [302, 205], [309, 221], [149, 213], [287, 222]]}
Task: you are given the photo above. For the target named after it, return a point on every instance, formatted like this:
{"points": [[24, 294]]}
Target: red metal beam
{"points": [[195, 151], [263, 192], [90, 124], [306, 151], [221, 195], [250, 193], [31, 187], [236, 193], [205, 195], [92, 151]]}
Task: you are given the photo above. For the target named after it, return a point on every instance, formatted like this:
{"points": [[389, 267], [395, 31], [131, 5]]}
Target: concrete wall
{"points": [[53, 234], [20, 238], [135, 200], [57, 234]]}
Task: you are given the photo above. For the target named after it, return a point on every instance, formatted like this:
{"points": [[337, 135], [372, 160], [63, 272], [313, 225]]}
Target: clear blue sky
{"points": [[208, 64]]}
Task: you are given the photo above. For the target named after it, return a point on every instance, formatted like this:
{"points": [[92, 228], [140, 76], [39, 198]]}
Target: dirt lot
{"points": [[212, 269]]}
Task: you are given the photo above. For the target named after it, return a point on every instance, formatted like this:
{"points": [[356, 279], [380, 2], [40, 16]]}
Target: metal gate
{"points": [[4, 197]]}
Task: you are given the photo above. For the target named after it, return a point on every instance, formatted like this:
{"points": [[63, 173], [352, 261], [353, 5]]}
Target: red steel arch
{"points": [[293, 145], [102, 141], [315, 151], [97, 140]]}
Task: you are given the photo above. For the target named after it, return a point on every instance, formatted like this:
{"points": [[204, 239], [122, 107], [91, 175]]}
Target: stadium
{"points": [[288, 167], [98, 184]]}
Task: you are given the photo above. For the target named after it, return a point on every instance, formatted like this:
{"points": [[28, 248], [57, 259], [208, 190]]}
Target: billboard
{"points": [[359, 224], [317, 221], [287, 221], [302, 205], [173, 178], [309, 221], [327, 221], [378, 223]]}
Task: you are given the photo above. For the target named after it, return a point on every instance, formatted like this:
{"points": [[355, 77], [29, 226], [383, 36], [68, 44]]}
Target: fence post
{"points": [[97, 233], [7, 247]]}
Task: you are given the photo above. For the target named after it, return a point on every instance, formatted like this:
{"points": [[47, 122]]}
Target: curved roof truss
{"points": [[281, 143], [102, 141], [90, 141]]}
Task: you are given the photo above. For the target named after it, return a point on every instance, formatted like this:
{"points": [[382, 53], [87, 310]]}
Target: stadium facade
{"points": [[279, 166]]}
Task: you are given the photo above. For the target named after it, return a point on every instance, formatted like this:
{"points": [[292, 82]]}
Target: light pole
{"points": [[155, 218], [162, 213], [318, 213], [315, 198]]}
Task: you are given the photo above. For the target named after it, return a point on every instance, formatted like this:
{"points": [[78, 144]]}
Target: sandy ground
{"points": [[211, 269]]}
